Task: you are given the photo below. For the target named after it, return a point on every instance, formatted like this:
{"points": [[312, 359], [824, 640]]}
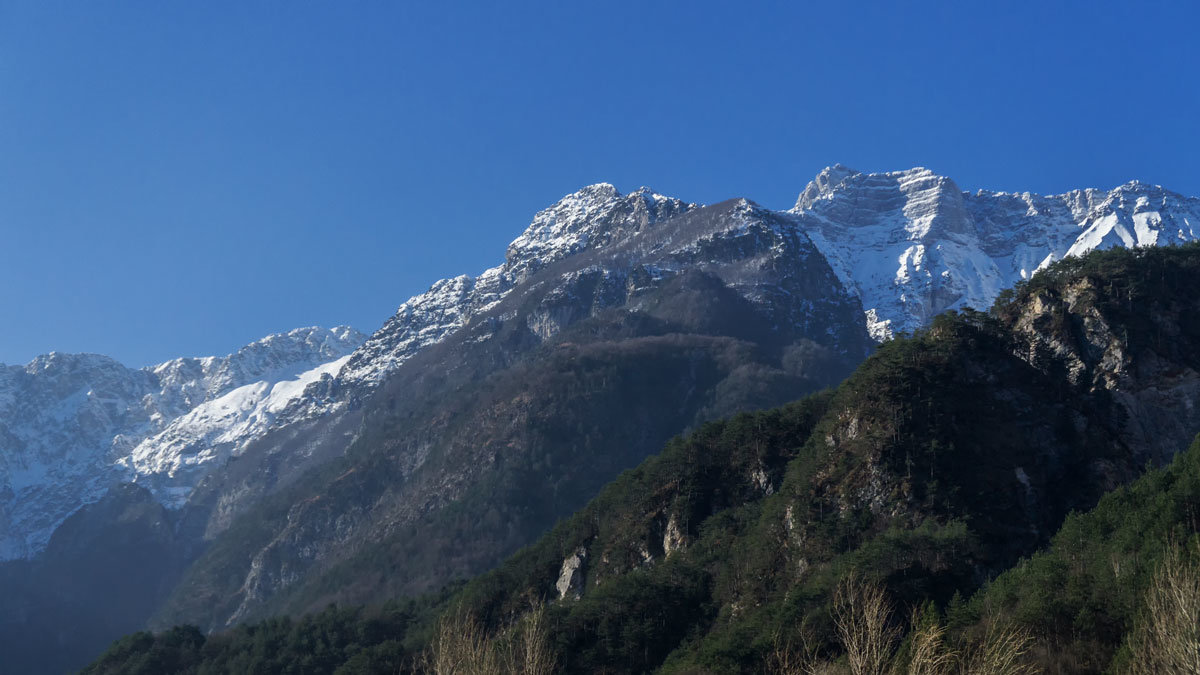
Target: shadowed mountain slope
{"points": [[943, 460]]}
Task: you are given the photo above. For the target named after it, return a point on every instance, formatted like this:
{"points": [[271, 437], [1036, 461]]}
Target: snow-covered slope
{"points": [[911, 244], [592, 218], [906, 244], [72, 425]]}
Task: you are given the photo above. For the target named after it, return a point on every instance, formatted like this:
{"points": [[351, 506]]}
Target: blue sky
{"points": [[182, 178]]}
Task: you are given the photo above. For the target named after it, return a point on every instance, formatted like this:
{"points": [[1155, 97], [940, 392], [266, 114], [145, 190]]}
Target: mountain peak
{"points": [[1141, 187], [312, 336], [67, 361], [823, 184], [833, 178], [596, 191], [591, 216]]}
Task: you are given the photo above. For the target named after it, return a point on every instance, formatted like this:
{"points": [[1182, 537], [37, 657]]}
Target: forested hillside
{"points": [[943, 462]]}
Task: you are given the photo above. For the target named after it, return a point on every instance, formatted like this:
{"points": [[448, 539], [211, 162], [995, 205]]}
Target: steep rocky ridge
{"points": [[323, 423], [938, 464], [581, 370]]}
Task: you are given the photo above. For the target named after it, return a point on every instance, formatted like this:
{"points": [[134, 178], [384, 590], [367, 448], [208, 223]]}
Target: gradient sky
{"points": [[180, 178]]}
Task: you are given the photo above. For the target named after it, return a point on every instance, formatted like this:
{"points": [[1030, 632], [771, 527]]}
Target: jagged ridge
{"points": [[72, 425]]}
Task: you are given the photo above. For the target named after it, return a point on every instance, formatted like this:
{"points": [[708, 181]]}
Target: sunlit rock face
{"points": [[911, 244]]}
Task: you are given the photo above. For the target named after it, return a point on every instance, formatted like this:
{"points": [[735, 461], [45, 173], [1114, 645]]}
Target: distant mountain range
{"points": [[74, 425], [491, 406]]}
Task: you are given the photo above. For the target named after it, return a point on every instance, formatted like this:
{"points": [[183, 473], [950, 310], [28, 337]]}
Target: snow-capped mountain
{"points": [[592, 218], [72, 425], [911, 244], [594, 249], [859, 253], [605, 314], [906, 245]]}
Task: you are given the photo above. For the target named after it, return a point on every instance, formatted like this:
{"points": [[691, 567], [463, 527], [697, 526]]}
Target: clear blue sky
{"points": [[179, 178]]}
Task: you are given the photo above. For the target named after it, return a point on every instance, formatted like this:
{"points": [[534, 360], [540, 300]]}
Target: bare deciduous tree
{"points": [[1167, 639], [798, 656], [1004, 651], [862, 614], [533, 655], [462, 646], [929, 654]]}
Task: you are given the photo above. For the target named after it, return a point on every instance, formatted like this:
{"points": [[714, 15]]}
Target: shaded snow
{"points": [[72, 425]]}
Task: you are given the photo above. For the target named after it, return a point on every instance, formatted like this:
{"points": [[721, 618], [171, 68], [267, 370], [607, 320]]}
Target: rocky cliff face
{"points": [[586, 365], [590, 219], [911, 244], [1126, 338], [940, 462]]}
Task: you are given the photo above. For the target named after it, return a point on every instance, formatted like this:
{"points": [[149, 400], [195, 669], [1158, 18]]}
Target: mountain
{"points": [[325, 422], [939, 463], [73, 425], [490, 407], [942, 461], [911, 244], [587, 365], [906, 244]]}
